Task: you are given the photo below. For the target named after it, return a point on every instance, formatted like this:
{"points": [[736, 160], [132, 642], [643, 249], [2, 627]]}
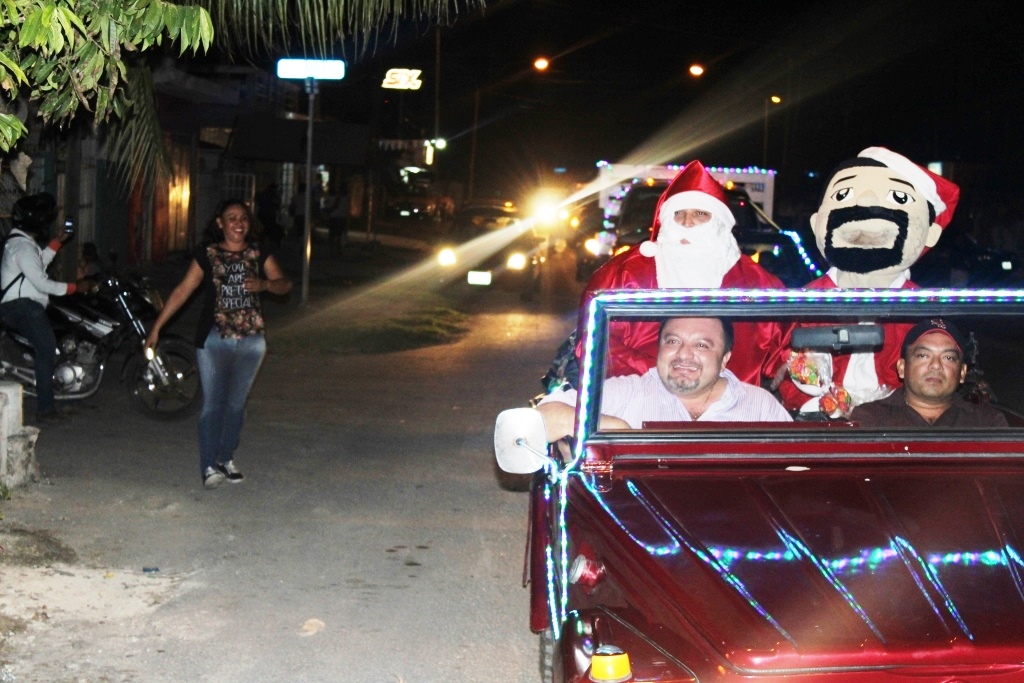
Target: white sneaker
{"points": [[212, 478], [231, 472]]}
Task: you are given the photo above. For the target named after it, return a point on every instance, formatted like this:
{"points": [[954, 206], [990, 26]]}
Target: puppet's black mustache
{"points": [[854, 214]]}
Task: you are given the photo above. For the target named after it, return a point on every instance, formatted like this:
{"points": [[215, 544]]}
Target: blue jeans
{"points": [[28, 318], [227, 368]]}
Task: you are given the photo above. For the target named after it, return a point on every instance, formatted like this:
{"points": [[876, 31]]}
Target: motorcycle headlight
{"points": [[516, 261], [446, 257]]}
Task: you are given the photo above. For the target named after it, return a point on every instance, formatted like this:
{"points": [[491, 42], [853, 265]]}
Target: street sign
{"points": [[320, 69]]}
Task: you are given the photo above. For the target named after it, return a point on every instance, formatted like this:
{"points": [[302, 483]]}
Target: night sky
{"points": [[935, 85]]}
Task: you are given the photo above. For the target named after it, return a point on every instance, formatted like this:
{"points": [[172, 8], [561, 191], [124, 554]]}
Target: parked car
{"points": [[490, 246], [804, 551], [783, 252]]}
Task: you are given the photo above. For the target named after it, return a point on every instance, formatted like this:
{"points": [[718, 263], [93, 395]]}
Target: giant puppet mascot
{"points": [[878, 213], [691, 246]]}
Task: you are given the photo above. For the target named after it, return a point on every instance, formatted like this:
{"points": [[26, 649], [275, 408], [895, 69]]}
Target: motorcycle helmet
{"points": [[34, 214]]}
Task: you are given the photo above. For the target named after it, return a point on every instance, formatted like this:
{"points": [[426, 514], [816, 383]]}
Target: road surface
{"points": [[372, 540]]}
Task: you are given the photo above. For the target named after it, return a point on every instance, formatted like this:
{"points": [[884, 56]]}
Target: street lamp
{"points": [[540, 64], [773, 99], [310, 71]]}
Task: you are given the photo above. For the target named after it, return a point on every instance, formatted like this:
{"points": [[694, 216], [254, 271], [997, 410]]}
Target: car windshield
{"points": [[820, 396]]}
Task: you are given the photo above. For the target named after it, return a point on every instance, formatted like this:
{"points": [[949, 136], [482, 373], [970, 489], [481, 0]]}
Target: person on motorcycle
{"points": [[27, 289]]}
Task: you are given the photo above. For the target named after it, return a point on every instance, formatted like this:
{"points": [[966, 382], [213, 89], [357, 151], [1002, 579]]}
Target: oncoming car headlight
{"points": [[601, 244], [446, 257], [516, 261]]}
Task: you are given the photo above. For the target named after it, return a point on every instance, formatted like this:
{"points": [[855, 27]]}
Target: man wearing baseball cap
{"points": [[878, 213], [932, 367], [692, 246]]}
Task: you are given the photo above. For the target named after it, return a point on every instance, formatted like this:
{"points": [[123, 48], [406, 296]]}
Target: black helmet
{"points": [[35, 213]]}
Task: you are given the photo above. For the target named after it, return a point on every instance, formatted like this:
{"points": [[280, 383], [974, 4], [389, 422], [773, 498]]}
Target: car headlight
{"points": [[601, 244], [516, 261], [446, 257]]}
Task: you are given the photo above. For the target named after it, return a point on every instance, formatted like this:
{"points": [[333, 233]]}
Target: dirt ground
{"points": [[53, 601], [380, 548], [46, 589]]}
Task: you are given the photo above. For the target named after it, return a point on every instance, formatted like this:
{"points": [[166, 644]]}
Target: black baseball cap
{"points": [[933, 325]]}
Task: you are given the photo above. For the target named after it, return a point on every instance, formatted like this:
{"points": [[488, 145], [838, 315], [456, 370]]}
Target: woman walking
{"points": [[230, 345]]}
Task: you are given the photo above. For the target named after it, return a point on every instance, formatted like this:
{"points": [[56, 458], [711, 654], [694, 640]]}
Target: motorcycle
{"points": [[91, 329]]}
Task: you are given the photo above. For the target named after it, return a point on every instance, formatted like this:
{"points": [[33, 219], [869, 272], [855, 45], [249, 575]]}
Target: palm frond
{"points": [[251, 27], [135, 143]]}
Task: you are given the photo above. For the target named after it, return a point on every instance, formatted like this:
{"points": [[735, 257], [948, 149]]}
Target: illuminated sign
{"points": [[402, 79], [320, 69]]}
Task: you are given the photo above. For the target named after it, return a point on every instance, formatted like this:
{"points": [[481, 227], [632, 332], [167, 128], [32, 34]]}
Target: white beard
{"points": [[701, 264]]}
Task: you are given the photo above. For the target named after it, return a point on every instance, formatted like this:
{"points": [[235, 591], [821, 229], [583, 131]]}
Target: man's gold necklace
{"points": [[703, 406]]}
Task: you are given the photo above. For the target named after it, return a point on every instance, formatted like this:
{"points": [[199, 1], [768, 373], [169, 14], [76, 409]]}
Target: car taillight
{"points": [[586, 572]]}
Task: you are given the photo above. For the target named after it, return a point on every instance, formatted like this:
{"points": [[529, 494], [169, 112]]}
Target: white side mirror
{"points": [[520, 441]]}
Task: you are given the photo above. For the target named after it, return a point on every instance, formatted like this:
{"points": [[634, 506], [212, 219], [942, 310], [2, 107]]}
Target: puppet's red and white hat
{"points": [[693, 188], [941, 193]]}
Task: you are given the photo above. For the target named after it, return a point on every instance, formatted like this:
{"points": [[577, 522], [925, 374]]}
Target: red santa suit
{"points": [[865, 375], [705, 256]]}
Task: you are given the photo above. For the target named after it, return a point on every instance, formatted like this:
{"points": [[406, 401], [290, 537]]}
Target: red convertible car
{"points": [[813, 550]]}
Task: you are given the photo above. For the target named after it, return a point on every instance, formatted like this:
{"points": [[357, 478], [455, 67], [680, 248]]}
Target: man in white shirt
{"points": [[688, 382], [27, 289]]}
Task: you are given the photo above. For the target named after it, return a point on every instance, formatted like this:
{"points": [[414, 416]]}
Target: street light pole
{"points": [[309, 70], [307, 240], [774, 99], [540, 64], [472, 143]]}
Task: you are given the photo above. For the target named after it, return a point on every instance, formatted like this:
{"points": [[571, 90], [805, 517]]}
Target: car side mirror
{"points": [[520, 441]]}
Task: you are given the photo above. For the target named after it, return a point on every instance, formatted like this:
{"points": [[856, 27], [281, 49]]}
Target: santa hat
{"points": [[693, 188], [942, 194]]}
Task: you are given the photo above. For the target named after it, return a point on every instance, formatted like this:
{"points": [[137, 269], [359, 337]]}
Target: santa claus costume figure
{"points": [[692, 246], [878, 213]]}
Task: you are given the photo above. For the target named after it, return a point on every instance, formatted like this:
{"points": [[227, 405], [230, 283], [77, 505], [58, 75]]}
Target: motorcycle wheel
{"points": [[179, 399]]}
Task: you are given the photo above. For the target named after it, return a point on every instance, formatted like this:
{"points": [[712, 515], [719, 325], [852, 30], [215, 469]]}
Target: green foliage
{"points": [[69, 54], [135, 144]]}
